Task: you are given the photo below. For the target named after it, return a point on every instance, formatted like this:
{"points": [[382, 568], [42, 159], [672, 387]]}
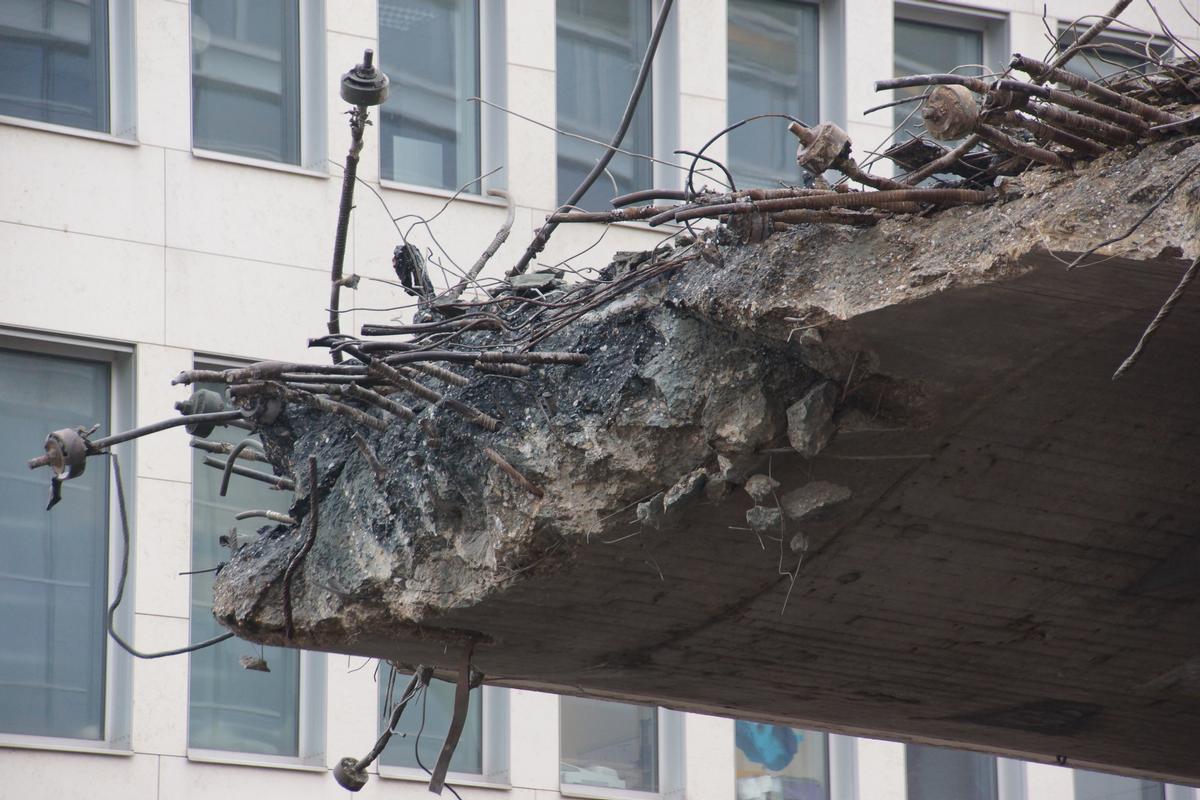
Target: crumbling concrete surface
{"points": [[875, 481]]}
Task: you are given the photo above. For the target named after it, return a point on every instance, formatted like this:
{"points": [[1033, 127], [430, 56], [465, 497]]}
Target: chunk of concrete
{"points": [[685, 492], [813, 500], [650, 512], [761, 487], [810, 419], [764, 518]]}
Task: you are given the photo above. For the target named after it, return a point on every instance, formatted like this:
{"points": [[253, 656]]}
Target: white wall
{"points": [[149, 245]]}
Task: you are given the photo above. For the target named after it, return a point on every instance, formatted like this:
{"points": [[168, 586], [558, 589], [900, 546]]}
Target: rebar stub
{"points": [[950, 112], [348, 775], [67, 452], [202, 401], [751, 228], [364, 85], [829, 143]]}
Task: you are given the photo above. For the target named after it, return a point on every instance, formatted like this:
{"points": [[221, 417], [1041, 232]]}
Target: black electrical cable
{"points": [[543, 234], [112, 609]]}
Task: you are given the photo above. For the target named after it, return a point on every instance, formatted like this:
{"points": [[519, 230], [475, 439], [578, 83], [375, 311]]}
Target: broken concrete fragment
{"points": [[650, 512], [761, 487], [685, 492], [540, 281], [764, 518], [810, 419], [813, 500]]}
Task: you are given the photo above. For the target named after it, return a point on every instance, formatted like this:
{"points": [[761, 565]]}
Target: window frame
{"points": [[118, 682], [311, 87], [669, 748], [492, 66], [495, 714], [122, 86], [312, 690], [993, 25], [828, 43], [665, 109]]}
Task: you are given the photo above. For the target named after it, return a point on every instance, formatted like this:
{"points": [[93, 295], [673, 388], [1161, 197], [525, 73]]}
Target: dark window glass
{"points": [[922, 48], [608, 745], [429, 132], [430, 716], [229, 707], [246, 78], [53, 573], [1109, 57], [938, 773], [600, 49], [1099, 786], [54, 61], [774, 63], [774, 762]]}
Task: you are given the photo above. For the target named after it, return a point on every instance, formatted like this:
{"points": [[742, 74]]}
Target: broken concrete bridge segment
{"points": [[990, 569]]}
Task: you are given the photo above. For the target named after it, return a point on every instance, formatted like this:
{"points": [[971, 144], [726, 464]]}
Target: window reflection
{"points": [[774, 762], [608, 745]]}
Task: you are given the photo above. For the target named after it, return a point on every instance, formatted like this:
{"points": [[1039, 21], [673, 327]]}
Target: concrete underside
{"points": [[1016, 571]]}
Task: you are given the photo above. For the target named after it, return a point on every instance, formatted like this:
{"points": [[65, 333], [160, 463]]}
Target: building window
{"points": [[429, 132], [1112, 56], [1099, 786], [605, 745], [247, 95], [774, 762], [423, 726], [53, 582], [68, 62], [600, 47], [231, 708], [923, 47], [939, 773], [774, 65]]}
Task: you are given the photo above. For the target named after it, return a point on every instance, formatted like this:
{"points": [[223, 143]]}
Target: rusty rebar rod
{"points": [[471, 414], [1044, 73], [1081, 147], [513, 473], [334, 407], [999, 140], [358, 122], [225, 448], [977, 85], [650, 194], [880, 199], [618, 215], [500, 238], [274, 481], [1095, 30], [387, 404], [946, 161], [1123, 119], [1107, 133]]}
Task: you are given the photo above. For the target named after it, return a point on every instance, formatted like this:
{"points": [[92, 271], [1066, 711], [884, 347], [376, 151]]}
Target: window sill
{"points": [[67, 130], [442, 194], [230, 758], [261, 163], [455, 778], [605, 793], [85, 746]]}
